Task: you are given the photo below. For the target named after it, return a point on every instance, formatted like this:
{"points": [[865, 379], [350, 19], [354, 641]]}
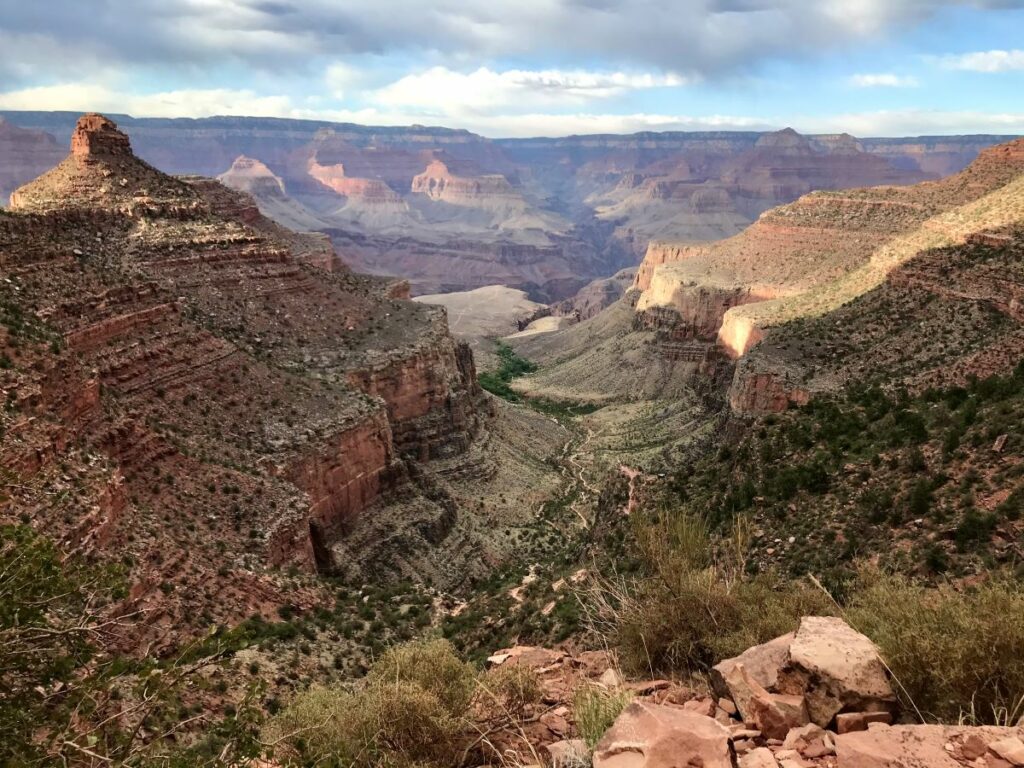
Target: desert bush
{"points": [[512, 687], [595, 709], [698, 604], [432, 665], [951, 651], [409, 711]]}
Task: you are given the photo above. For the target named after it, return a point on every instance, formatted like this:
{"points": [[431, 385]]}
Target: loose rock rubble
{"points": [[816, 698]]}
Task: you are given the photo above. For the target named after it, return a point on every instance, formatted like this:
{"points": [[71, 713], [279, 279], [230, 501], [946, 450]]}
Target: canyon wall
{"points": [[453, 211], [233, 403]]}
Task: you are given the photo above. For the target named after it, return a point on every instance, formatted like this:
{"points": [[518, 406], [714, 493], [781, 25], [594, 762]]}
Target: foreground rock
{"points": [[826, 667], [659, 736], [931, 746], [837, 669]]}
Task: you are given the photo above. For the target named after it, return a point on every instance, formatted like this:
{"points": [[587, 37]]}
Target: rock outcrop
{"points": [[656, 736], [229, 399]]}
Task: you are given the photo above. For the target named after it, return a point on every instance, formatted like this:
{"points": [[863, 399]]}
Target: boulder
{"points": [[1010, 749], [771, 713], [859, 721], [776, 714], [917, 746], [761, 757], [763, 663], [656, 736], [810, 741], [836, 668]]}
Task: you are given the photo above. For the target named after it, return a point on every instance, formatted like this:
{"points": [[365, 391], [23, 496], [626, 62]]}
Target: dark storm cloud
{"points": [[705, 37]]}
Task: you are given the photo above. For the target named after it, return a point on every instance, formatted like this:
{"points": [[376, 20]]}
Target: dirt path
{"points": [[633, 475]]}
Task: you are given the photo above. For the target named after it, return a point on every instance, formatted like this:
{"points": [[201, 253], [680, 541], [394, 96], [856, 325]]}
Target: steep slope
{"points": [[255, 179], [218, 406], [805, 283], [936, 320], [822, 250]]}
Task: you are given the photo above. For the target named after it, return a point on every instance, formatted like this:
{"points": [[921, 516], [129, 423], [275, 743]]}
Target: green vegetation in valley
{"points": [[510, 366]]}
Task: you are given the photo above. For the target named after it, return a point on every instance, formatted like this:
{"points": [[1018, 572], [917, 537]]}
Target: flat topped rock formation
{"points": [[227, 399], [101, 173]]}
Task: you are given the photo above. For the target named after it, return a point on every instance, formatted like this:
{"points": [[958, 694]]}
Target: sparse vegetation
{"points": [[408, 711], [952, 651], [691, 609], [595, 709]]}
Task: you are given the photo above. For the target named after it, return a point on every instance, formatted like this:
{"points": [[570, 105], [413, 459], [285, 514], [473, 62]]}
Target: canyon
{"points": [[224, 385], [211, 398], [449, 210], [771, 297]]}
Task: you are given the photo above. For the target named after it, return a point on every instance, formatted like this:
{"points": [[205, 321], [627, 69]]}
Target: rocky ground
{"points": [[820, 696]]}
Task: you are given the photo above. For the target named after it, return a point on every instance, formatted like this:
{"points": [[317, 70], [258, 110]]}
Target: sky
{"points": [[530, 67]]}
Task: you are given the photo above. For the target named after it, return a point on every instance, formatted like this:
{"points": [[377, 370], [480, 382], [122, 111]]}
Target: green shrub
{"points": [[693, 609], [409, 711], [512, 687], [595, 709], [434, 666], [951, 651]]}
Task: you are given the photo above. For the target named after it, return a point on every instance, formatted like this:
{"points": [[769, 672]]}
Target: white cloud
{"points": [[710, 37], [339, 78], [985, 61], [883, 80], [914, 122], [449, 92], [91, 97]]}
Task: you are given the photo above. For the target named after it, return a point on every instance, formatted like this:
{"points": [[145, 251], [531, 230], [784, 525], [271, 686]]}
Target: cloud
{"points": [[339, 78], [444, 91], [985, 61], [883, 80], [710, 38], [91, 97]]}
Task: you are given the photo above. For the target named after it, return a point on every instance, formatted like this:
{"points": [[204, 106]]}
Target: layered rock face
{"points": [[824, 249], [488, 210], [816, 294], [374, 192], [222, 397], [938, 319], [437, 182]]}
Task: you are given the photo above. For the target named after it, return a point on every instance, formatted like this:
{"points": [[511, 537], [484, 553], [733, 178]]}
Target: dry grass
{"points": [[513, 687], [410, 711], [595, 709], [958, 654], [694, 609]]}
